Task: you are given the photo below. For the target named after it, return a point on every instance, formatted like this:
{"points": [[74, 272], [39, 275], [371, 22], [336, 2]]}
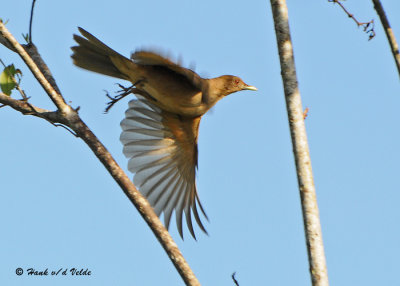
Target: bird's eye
{"points": [[236, 81]]}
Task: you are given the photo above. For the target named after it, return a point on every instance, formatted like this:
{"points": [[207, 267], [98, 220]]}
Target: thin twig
{"points": [[67, 116], [305, 113], [30, 21], [389, 32], [312, 226], [28, 109], [368, 27], [234, 279], [66, 128]]}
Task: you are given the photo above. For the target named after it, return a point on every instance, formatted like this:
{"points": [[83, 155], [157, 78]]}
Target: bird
{"points": [[161, 126]]}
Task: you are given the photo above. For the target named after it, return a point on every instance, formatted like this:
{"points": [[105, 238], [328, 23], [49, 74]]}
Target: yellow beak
{"points": [[250, 87]]}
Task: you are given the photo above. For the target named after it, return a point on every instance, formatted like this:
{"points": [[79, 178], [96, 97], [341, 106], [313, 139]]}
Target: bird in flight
{"points": [[161, 126]]}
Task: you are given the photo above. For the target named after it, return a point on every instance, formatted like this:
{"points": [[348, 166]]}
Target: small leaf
{"points": [[7, 81], [26, 37]]}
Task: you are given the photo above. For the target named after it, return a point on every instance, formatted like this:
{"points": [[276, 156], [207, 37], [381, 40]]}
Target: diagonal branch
{"points": [[312, 226], [389, 32], [56, 97], [69, 117], [28, 109]]}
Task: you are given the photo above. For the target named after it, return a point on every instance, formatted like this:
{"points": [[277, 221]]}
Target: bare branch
{"points": [[389, 32], [31, 21], [312, 227], [56, 97], [5, 43], [28, 109], [36, 57], [234, 279], [368, 27]]}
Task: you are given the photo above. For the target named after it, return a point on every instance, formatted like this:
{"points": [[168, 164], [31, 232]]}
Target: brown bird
{"points": [[160, 129]]}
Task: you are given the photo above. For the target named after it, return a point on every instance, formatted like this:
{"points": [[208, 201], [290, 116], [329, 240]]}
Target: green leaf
{"points": [[7, 80], [26, 37]]}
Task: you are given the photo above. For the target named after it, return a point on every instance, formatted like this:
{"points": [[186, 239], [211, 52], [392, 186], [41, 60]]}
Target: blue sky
{"points": [[59, 208]]}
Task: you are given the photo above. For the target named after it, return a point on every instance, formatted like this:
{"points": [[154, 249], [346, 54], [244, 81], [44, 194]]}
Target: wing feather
{"points": [[154, 58], [162, 152], [171, 202]]}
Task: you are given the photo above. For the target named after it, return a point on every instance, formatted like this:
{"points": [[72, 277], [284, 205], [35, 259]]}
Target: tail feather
{"points": [[93, 55], [99, 45]]}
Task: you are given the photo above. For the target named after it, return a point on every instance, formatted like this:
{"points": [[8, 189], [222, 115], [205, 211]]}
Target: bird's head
{"points": [[228, 84]]}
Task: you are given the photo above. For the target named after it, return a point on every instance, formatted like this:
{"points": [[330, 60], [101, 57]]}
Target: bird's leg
{"points": [[121, 94]]}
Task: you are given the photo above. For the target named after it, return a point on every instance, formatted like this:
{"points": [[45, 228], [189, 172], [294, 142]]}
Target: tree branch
{"points": [[57, 99], [69, 117], [312, 227], [389, 32], [368, 27], [28, 109]]}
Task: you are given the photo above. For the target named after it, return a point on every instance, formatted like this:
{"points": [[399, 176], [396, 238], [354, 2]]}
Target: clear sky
{"points": [[59, 208]]}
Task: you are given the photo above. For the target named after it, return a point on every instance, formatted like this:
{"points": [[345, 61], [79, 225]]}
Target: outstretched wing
{"points": [[150, 58], [162, 152]]}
